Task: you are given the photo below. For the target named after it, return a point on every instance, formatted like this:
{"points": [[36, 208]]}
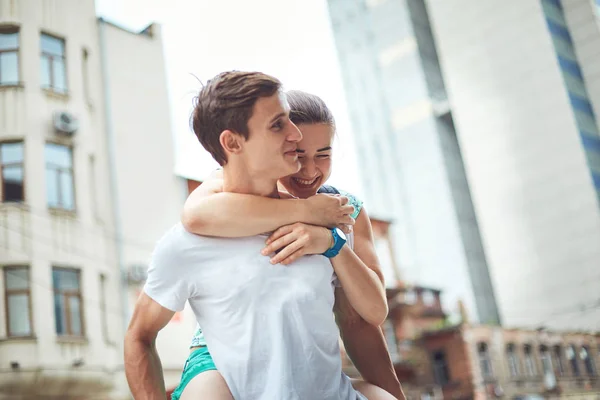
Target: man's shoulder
{"points": [[178, 243]]}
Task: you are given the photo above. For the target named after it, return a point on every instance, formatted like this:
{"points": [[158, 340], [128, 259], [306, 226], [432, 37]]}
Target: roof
{"points": [[147, 31]]}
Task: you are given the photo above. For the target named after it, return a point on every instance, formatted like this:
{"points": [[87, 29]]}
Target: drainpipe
{"points": [[112, 167]]}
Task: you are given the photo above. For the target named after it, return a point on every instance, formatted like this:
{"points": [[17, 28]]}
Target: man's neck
{"points": [[240, 180]]}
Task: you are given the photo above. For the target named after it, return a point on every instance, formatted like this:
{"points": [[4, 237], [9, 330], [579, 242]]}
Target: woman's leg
{"points": [[200, 379], [207, 385], [370, 391]]}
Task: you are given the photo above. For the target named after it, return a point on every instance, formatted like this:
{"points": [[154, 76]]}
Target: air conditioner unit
{"points": [[137, 273], [65, 123]]}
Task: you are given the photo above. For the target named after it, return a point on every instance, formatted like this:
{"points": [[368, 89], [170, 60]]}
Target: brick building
{"points": [[468, 361]]}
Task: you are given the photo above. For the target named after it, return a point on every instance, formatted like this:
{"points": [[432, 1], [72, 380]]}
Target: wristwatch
{"points": [[339, 239]]}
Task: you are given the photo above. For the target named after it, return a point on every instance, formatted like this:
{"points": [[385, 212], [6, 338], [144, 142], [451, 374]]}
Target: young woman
{"points": [[360, 292]]}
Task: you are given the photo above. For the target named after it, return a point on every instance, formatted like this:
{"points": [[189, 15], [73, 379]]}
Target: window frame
{"points": [[557, 353], [391, 339], [12, 29], [529, 355], [66, 296], [9, 292], [72, 151], [573, 361], [588, 361], [2, 165], [483, 356], [52, 87], [513, 354], [444, 366]]}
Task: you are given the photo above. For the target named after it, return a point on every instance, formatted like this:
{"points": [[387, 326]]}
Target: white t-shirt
{"points": [[269, 328]]}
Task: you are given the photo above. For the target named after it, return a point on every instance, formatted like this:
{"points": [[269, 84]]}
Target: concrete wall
{"points": [[532, 190], [393, 89], [149, 196], [33, 235]]}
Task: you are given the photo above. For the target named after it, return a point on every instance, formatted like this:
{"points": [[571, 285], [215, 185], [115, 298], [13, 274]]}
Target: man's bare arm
{"points": [[211, 212], [366, 347], [142, 364]]}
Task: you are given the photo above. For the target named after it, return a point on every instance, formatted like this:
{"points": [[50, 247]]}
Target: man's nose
{"points": [[294, 134]]}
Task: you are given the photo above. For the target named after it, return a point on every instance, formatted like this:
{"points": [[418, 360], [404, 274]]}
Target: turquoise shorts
{"points": [[199, 361]]}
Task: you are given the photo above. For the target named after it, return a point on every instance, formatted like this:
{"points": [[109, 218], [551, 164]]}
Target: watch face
{"points": [[341, 234]]}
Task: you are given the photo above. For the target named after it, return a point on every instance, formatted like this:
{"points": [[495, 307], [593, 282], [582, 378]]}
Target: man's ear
{"points": [[231, 142]]}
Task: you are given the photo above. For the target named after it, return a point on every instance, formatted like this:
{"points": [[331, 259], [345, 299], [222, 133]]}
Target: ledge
{"points": [[72, 339], [12, 86], [60, 212], [13, 339], [56, 95], [5, 206]]}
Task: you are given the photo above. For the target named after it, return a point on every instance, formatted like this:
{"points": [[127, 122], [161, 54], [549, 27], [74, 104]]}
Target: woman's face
{"points": [[314, 154]]}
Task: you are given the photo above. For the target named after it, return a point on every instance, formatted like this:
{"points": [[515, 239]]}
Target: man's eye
{"points": [[323, 156], [278, 125]]}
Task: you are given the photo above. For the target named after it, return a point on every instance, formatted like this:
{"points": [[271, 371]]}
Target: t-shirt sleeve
{"points": [[167, 282]]}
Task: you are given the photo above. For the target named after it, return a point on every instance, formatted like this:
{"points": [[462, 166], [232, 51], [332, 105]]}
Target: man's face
{"points": [[270, 150]]}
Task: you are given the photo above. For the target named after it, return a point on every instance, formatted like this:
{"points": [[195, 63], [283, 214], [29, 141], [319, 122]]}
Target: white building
{"points": [[476, 119], [407, 148], [524, 83], [87, 187]]}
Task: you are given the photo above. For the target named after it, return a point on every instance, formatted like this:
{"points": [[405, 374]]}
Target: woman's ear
{"points": [[231, 142]]}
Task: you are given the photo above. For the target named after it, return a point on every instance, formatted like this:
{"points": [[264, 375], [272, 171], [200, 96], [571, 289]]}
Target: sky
{"points": [[290, 39]]}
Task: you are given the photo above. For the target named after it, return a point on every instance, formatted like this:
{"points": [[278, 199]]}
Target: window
{"points": [[11, 171], [547, 368], [390, 338], [59, 177], [17, 294], [485, 363], [513, 360], [9, 56], [428, 298], [558, 360], [570, 353], [587, 358], [53, 69], [440, 368], [103, 311], [68, 309], [410, 296], [530, 368]]}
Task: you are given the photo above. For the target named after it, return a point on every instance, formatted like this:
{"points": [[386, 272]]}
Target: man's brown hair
{"points": [[226, 103]]}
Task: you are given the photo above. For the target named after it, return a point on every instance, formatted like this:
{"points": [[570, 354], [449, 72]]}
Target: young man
{"points": [[269, 328]]}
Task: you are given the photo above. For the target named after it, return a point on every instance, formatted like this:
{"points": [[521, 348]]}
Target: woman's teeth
{"points": [[304, 182]]}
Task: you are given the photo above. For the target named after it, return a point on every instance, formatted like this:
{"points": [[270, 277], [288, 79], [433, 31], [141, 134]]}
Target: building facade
{"points": [[436, 359], [489, 117], [525, 95], [86, 187], [407, 148]]}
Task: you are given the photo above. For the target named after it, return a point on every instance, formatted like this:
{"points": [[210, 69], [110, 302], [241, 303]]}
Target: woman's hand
{"points": [[297, 240], [332, 211]]}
